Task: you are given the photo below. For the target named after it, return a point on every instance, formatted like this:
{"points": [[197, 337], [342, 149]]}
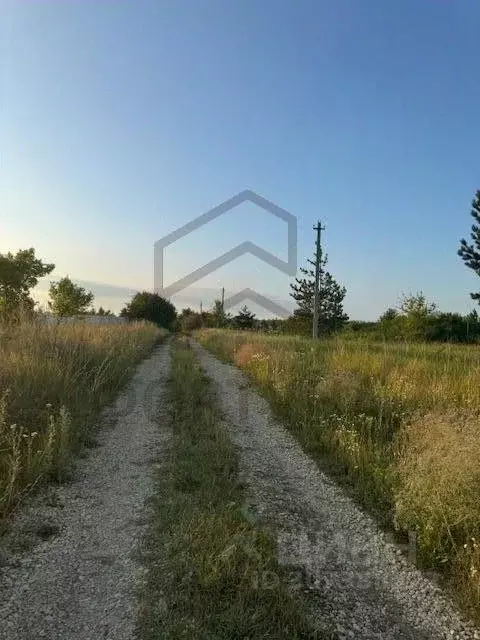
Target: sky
{"points": [[122, 120]]}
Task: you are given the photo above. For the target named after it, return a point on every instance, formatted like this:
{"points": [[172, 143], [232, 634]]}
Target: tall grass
{"points": [[398, 423], [53, 381]]}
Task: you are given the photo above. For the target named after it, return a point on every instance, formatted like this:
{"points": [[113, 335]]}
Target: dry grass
{"points": [[438, 493], [396, 423], [439, 473], [53, 381]]}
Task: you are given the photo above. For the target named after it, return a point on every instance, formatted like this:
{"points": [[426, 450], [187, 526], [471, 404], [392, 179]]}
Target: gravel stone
{"points": [[360, 585], [80, 583]]}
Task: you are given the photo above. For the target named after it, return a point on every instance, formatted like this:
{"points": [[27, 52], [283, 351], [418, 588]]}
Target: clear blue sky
{"points": [[121, 120]]}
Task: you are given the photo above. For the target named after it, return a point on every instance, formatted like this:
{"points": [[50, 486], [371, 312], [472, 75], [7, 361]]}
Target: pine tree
{"points": [[331, 315], [470, 253], [245, 319]]}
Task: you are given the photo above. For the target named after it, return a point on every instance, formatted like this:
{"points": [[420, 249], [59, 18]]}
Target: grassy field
{"points": [[396, 423], [53, 382], [212, 572]]}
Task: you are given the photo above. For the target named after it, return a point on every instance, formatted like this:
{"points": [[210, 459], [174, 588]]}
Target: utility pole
{"points": [[223, 299], [201, 307], [318, 259]]}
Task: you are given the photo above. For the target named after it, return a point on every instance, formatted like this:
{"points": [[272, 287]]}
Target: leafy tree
{"points": [[151, 307], [389, 315], [415, 305], [245, 319], [417, 316], [68, 299], [189, 320], [331, 315], [470, 253], [19, 273]]}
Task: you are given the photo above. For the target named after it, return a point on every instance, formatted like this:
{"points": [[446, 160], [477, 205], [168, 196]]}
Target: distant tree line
{"points": [[414, 318], [21, 272], [244, 319]]}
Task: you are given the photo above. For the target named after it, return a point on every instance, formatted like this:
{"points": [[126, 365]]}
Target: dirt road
{"points": [[79, 584], [77, 581]]}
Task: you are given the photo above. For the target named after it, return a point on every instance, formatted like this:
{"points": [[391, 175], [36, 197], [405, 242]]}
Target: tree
{"points": [[470, 253], [245, 319], [68, 299], [151, 307], [390, 324], [415, 305], [19, 273], [417, 315], [331, 315], [189, 320], [388, 315]]}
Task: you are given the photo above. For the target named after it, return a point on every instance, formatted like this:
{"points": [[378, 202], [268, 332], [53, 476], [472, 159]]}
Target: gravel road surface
{"points": [[77, 581]]}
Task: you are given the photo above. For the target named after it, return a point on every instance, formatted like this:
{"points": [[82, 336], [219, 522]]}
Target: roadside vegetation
{"points": [[397, 423], [58, 371], [212, 572], [53, 382]]}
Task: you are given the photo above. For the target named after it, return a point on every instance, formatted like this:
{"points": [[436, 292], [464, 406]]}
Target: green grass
{"points": [[212, 573], [398, 424], [53, 382]]}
